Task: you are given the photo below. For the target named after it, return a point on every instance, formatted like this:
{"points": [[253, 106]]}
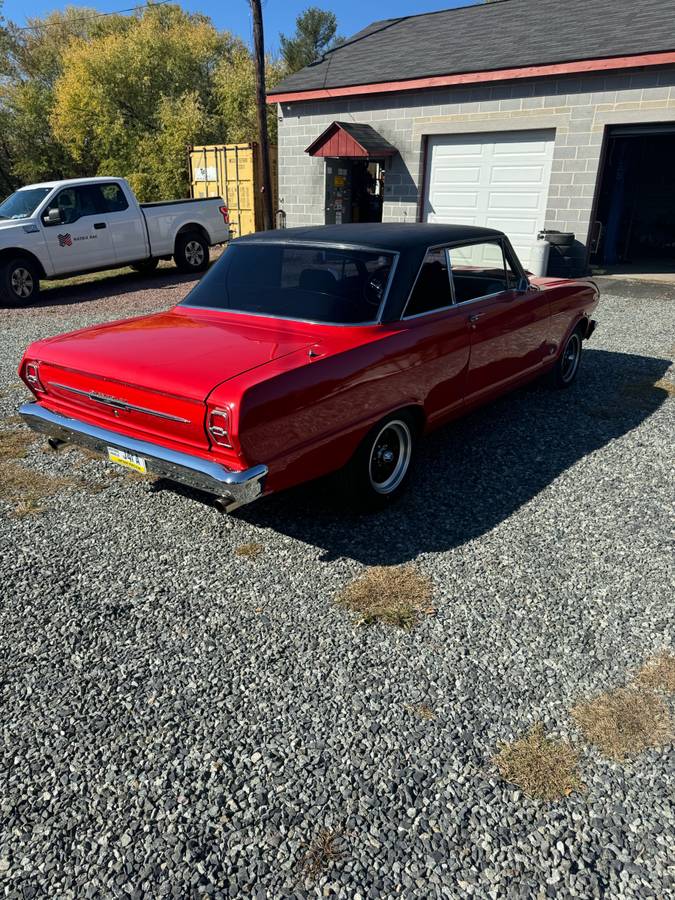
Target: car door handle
{"points": [[99, 225], [473, 319]]}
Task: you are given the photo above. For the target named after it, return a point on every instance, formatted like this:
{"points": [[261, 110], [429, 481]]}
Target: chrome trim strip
{"points": [[244, 312], [117, 404], [235, 488]]}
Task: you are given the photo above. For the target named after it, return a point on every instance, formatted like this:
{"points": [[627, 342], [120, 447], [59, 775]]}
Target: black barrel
{"points": [[562, 263]]}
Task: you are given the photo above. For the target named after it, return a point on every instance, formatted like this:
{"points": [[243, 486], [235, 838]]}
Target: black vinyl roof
{"points": [[491, 36], [393, 236]]}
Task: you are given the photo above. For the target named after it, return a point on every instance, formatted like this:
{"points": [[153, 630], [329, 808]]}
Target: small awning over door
{"points": [[351, 141]]}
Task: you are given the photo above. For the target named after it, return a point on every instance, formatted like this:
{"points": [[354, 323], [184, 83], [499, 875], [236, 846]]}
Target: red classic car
{"points": [[311, 350]]}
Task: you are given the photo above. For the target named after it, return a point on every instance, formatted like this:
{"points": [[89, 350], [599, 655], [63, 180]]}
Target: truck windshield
{"points": [[292, 281], [22, 204]]}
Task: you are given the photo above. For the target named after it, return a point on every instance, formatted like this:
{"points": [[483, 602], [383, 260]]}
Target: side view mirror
{"points": [[52, 217], [523, 284]]}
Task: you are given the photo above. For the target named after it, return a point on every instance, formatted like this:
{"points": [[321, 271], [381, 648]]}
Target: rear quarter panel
{"points": [[304, 417]]}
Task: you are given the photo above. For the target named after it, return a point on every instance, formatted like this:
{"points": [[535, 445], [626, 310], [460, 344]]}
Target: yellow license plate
{"points": [[128, 460]]}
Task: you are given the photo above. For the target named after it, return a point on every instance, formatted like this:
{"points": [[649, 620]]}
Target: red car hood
{"points": [[183, 352]]}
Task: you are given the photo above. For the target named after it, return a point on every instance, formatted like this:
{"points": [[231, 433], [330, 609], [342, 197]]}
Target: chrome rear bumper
{"points": [[234, 488]]}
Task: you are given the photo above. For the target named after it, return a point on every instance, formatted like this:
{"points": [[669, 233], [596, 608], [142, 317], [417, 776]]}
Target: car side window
{"points": [[74, 203], [479, 270], [432, 289], [112, 198]]}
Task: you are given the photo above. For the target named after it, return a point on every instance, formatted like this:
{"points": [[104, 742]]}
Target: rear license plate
{"points": [[128, 460]]}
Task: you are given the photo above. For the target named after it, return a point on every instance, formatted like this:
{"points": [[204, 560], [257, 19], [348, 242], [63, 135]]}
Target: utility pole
{"points": [[261, 110]]}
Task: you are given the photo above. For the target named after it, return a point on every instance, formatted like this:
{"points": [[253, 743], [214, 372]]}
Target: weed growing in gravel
{"points": [[25, 488], [540, 766], [393, 595], [326, 849], [421, 710], [250, 550], [658, 673], [14, 444], [624, 722], [664, 385]]}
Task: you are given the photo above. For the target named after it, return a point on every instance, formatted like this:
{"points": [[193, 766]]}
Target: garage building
{"points": [[507, 114]]}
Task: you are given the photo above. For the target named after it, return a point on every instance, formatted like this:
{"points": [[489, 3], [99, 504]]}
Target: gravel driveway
{"points": [[180, 720]]}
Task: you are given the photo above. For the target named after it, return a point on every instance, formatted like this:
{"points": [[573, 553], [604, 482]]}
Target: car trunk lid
{"points": [[153, 375]]}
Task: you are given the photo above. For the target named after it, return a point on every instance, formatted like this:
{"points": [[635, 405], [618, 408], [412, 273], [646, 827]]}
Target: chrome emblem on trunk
{"points": [[117, 404]]}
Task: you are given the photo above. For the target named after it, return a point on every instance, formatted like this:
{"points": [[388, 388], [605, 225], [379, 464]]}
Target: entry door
{"points": [[508, 327], [82, 239], [338, 191], [497, 180]]}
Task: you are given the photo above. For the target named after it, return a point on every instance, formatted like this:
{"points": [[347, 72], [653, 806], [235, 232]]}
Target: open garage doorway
{"points": [[634, 231]]}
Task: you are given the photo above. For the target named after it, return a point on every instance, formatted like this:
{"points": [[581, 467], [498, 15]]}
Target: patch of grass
{"points": [[76, 280], [646, 391], [540, 766], [668, 386], [251, 550], [14, 444], [25, 489], [658, 672], [325, 850], [624, 722], [421, 710], [393, 595]]}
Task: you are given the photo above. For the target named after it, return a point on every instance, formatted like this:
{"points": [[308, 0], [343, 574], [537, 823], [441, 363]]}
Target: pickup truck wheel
{"points": [[19, 282], [378, 471], [567, 367], [192, 252], [146, 266]]}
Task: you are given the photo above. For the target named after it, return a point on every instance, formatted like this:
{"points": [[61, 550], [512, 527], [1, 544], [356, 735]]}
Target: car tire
{"points": [[378, 472], [192, 252], [567, 365], [19, 282], [146, 266]]}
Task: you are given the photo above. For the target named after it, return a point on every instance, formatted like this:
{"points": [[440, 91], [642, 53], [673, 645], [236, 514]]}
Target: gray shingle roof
{"points": [[489, 36]]}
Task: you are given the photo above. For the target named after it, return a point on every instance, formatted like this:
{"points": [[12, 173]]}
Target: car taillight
{"points": [[218, 427], [225, 213], [31, 375]]}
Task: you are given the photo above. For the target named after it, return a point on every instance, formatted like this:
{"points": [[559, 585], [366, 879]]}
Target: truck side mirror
{"points": [[52, 217]]}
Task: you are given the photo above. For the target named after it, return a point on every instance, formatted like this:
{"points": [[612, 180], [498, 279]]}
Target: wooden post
{"points": [[261, 110]]}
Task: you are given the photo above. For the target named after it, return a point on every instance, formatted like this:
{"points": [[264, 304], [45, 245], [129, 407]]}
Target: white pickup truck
{"points": [[63, 228]]}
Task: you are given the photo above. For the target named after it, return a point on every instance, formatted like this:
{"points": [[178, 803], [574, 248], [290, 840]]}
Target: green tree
{"points": [[87, 94], [235, 91], [315, 33], [29, 151]]}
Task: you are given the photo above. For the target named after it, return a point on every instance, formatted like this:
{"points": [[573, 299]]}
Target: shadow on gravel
{"points": [[477, 471]]}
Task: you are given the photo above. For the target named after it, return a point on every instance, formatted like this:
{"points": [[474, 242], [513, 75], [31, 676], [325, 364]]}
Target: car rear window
{"points": [[311, 283]]}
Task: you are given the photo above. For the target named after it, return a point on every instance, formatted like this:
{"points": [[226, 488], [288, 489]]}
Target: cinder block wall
{"points": [[580, 108]]}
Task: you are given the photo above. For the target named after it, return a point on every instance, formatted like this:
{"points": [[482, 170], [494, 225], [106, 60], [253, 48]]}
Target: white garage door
{"points": [[497, 180]]}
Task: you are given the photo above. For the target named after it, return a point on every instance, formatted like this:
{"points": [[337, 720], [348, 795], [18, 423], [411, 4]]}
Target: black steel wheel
{"points": [[567, 366], [378, 471]]}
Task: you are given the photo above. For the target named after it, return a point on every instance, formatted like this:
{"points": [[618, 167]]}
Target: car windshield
{"points": [[22, 204], [291, 281]]}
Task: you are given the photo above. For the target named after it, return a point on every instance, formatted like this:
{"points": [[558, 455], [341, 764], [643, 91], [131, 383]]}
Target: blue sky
{"points": [[279, 15]]}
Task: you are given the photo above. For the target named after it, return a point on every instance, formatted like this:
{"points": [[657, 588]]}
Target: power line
{"points": [[66, 22]]}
